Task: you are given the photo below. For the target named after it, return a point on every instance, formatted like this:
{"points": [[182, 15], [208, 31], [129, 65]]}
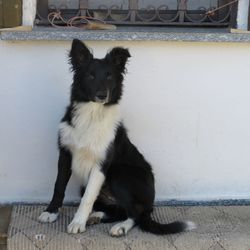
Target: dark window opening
{"points": [[213, 13]]}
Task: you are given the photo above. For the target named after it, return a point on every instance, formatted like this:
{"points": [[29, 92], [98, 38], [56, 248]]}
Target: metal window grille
{"points": [[144, 12]]}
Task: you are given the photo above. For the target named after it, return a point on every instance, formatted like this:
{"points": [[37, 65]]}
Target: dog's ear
{"points": [[79, 54], [118, 56]]}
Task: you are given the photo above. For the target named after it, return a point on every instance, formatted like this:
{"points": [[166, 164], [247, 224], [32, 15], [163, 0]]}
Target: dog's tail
{"points": [[147, 224]]}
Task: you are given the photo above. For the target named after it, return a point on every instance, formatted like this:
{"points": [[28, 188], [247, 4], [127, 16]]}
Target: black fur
{"points": [[129, 176]]}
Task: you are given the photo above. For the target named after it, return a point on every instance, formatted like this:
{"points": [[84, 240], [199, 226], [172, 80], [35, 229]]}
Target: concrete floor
{"points": [[218, 227]]}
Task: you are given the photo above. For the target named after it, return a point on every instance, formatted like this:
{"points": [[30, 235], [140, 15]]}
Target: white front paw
{"points": [[77, 225], [47, 217]]}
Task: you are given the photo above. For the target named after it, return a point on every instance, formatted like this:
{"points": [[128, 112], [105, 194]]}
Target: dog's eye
{"points": [[109, 77], [90, 76]]}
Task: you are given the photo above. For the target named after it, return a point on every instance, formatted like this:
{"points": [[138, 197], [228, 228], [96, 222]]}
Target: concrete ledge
{"points": [[128, 34]]}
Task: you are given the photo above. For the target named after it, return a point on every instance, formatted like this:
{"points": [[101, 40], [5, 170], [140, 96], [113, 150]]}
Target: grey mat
{"points": [[218, 227]]}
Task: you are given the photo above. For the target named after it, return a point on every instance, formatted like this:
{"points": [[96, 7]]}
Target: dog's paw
{"points": [[95, 218], [47, 217], [121, 228], [118, 230], [76, 226]]}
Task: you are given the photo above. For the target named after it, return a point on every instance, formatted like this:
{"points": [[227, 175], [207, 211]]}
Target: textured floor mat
{"points": [[218, 227]]}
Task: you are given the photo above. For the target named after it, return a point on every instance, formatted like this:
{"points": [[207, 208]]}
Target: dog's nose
{"points": [[102, 95]]}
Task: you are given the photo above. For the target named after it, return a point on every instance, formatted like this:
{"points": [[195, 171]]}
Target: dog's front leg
{"points": [[93, 188], [63, 176]]}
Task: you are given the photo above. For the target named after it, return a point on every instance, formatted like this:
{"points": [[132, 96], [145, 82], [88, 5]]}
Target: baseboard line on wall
{"points": [[219, 202]]}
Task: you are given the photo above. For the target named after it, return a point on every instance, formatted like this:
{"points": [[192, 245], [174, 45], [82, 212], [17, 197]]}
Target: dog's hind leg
{"points": [[64, 173], [113, 212], [95, 218], [122, 228], [102, 217], [106, 213], [134, 196]]}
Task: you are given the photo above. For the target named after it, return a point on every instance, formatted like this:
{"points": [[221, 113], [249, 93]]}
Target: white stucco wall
{"points": [[186, 106]]}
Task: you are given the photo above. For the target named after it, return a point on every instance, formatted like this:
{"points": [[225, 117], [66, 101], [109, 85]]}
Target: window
{"points": [[219, 13]]}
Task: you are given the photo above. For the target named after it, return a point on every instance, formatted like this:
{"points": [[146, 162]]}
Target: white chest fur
{"points": [[93, 129]]}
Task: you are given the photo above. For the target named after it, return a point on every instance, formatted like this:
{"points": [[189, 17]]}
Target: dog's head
{"points": [[97, 80]]}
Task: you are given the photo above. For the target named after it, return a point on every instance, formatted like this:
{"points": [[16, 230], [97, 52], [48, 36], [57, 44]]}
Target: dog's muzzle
{"points": [[102, 96]]}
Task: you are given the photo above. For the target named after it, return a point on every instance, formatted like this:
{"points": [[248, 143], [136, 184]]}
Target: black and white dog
{"points": [[94, 145]]}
